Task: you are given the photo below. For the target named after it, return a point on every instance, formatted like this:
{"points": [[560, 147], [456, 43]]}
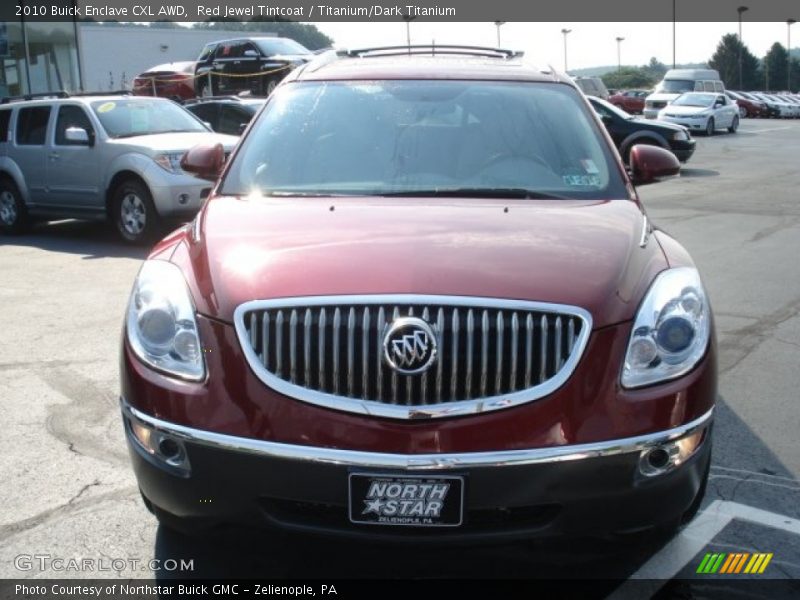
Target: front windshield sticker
{"points": [[582, 180], [107, 107]]}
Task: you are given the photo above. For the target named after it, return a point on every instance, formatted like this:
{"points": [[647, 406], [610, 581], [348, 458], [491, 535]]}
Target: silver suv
{"points": [[98, 157]]}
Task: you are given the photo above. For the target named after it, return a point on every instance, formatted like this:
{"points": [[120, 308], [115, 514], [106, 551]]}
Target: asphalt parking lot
{"points": [[68, 490]]}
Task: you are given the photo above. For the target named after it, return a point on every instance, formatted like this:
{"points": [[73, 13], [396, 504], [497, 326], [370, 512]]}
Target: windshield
{"points": [[674, 86], [702, 100], [129, 117], [467, 138], [606, 108], [281, 46]]}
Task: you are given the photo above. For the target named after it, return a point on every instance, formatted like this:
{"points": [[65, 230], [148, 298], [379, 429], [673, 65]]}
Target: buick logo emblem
{"points": [[409, 345]]}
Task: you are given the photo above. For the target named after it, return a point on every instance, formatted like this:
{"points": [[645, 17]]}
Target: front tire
{"points": [[742, 112], [134, 213], [710, 127], [734, 125], [13, 213]]}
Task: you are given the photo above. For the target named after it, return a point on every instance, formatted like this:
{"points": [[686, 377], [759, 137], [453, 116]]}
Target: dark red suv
{"points": [[423, 302]]}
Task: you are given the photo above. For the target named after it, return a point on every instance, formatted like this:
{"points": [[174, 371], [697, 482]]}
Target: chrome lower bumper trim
{"points": [[357, 458]]}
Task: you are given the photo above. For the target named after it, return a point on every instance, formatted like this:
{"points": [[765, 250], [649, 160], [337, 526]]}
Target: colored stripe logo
{"points": [[734, 562]]}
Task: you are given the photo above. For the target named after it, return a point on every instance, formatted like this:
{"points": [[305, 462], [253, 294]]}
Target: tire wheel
{"points": [[134, 213], [204, 90], [710, 127], [13, 213], [734, 126], [742, 112]]}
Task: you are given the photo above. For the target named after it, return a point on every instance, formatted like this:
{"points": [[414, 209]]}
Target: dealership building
{"points": [[40, 57]]}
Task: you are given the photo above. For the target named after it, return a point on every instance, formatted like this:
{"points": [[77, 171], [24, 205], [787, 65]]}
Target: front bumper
{"points": [[691, 124], [683, 149], [176, 194], [580, 489]]}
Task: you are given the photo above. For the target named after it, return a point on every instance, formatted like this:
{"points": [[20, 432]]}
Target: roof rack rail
{"points": [[39, 95], [432, 49], [103, 93]]}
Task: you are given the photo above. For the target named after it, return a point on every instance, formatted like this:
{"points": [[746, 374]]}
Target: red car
{"points": [[171, 80], [631, 101], [749, 106], [413, 308]]}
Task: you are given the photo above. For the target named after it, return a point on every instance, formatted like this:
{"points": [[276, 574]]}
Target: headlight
{"points": [[671, 331], [161, 325], [170, 161], [680, 136]]}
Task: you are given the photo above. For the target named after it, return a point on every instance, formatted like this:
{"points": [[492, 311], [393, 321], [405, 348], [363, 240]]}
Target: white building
{"points": [[111, 56]]}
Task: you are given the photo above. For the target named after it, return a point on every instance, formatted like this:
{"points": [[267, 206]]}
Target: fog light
{"points": [[160, 448], [666, 457]]}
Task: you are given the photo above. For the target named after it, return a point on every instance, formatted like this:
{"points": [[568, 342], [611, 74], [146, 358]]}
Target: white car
{"points": [[702, 111]]}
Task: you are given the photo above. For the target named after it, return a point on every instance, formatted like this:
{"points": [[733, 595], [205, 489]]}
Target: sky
{"points": [[588, 45]]}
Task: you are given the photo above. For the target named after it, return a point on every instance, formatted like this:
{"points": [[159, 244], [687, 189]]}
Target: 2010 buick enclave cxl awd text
{"points": [[423, 301]]}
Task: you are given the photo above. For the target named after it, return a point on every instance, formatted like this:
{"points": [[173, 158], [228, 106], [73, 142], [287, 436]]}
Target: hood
{"points": [[292, 58], [661, 96], [661, 126], [586, 254], [684, 110], [157, 143]]}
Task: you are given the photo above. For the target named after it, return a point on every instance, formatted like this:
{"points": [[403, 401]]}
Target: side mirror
{"points": [[204, 161], [242, 127], [652, 163], [78, 136], [607, 120], [250, 54]]}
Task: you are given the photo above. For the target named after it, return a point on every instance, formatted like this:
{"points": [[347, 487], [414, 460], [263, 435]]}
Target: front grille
{"points": [[656, 104], [490, 353]]}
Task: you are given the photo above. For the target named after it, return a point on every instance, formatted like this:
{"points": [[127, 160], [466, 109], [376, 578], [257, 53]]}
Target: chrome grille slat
{"points": [[440, 362], [351, 349], [484, 351], [454, 351], [307, 347], [279, 343], [470, 352], [293, 346], [337, 325], [512, 376], [488, 355], [321, 348]]}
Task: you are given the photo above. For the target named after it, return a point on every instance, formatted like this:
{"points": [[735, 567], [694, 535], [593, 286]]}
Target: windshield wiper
{"points": [[515, 193]]}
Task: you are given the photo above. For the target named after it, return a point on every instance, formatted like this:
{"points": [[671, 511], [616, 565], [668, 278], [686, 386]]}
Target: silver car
{"points": [[702, 111], [98, 157]]}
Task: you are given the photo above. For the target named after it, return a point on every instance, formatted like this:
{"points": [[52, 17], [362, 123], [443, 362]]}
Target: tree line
{"points": [[768, 73]]}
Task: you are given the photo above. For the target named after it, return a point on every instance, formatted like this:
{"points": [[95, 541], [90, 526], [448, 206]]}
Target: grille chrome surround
{"points": [[346, 334]]}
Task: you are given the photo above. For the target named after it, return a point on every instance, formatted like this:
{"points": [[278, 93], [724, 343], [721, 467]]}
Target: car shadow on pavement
{"points": [[250, 555], [92, 239]]}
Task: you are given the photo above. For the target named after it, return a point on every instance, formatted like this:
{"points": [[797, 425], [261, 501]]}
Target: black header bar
{"points": [[388, 10]]}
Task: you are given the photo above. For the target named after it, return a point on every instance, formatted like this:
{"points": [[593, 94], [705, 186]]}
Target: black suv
{"points": [[225, 114], [255, 64]]}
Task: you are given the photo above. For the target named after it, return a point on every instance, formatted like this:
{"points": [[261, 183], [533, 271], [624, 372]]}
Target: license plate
{"points": [[406, 500]]}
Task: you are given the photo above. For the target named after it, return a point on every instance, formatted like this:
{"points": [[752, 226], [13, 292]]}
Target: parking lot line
{"points": [[668, 562], [756, 131]]}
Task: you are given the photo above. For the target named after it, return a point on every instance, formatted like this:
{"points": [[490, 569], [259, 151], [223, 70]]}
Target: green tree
{"points": [[628, 77], [726, 61], [655, 69], [775, 63]]}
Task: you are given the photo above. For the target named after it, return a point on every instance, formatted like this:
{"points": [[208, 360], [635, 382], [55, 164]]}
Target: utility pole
{"points": [[673, 33], [789, 23], [499, 24], [619, 53], [565, 32], [741, 10]]}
